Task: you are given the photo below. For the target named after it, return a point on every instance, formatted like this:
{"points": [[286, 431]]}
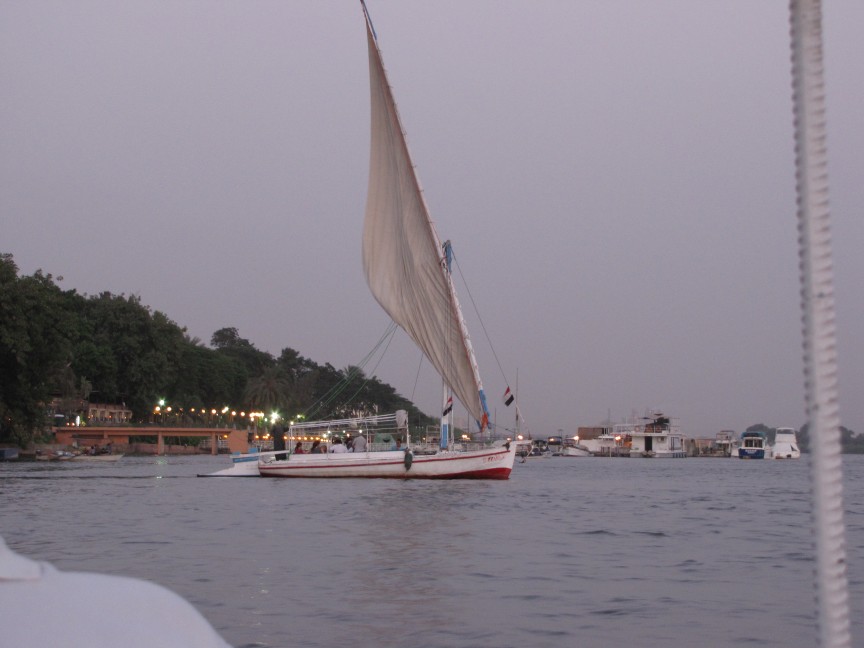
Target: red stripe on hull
{"points": [[493, 473]]}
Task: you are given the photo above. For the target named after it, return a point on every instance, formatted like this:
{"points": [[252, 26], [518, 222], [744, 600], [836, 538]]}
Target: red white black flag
{"points": [[449, 407], [508, 397]]}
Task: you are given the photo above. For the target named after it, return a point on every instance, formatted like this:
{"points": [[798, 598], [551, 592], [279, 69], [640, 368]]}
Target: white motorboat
{"points": [[753, 445], [575, 450], [604, 445], [785, 444]]}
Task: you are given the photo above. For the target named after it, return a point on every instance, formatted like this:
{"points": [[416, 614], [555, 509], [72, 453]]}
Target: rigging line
{"points": [[392, 330], [482, 324], [416, 378], [343, 384], [340, 386]]}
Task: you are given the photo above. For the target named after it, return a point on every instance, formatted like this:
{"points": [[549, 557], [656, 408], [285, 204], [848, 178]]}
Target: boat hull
{"points": [[244, 465], [575, 451], [751, 453], [786, 453], [495, 463], [240, 469]]}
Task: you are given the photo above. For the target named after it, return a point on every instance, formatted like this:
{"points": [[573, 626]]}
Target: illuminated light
{"points": [[618, 437], [225, 409], [233, 413], [168, 409], [157, 408], [242, 413], [576, 438], [213, 411], [161, 402], [520, 437]]}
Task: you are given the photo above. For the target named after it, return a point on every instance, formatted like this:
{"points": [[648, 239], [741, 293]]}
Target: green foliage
{"points": [[851, 442], [229, 343], [113, 349], [34, 349]]}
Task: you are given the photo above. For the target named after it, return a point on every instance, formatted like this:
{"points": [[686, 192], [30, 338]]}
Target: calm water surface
{"points": [[570, 552]]}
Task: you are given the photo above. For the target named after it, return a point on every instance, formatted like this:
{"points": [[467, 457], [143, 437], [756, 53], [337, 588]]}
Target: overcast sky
{"points": [[617, 178]]}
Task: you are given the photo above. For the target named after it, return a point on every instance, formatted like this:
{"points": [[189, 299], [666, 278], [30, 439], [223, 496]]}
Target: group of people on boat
{"points": [[351, 444]]}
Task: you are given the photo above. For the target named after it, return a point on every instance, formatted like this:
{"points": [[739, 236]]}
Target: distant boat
{"points": [[572, 448], [576, 450], [785, 445], [540, 448], [54, 455], [753, 445], [98, 457], [523, 447], [8, 454], [555, 445], [658, 437], [606, 444]]}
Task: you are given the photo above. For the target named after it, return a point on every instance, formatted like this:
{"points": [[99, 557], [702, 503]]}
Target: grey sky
{"points": [[616, 177]]}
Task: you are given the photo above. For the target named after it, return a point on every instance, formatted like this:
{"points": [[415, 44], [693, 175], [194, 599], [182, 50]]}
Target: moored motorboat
{"points": [[785, 444], [753, 445], [54, 455], [576, 450], [607, 444], [573, 448]]}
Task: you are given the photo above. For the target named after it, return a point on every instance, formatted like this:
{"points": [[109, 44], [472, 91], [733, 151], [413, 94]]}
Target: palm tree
{"points": [[269, 390]]}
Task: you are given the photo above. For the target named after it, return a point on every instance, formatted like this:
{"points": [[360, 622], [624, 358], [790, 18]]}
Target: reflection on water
{"points": [[587, 552]]}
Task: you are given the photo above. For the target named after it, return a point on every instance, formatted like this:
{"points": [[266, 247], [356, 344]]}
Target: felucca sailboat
{"points": [[407, 268]]}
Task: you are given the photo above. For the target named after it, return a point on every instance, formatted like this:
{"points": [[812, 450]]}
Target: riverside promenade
{"points": [[237, 440]]}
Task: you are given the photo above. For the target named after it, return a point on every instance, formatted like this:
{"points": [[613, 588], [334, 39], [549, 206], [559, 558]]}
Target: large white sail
{"points": [[403, 257]]}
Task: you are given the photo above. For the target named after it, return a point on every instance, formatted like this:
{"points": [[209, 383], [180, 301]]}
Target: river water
{"points": [[584, 552]]}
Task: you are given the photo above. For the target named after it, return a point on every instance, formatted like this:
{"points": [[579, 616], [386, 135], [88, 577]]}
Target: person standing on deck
{"points": [[360, 443], [278, 434]]}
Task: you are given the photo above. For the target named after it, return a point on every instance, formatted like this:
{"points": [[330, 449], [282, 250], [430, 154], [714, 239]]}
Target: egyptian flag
{"points": [[449, 407], [508, 397]]}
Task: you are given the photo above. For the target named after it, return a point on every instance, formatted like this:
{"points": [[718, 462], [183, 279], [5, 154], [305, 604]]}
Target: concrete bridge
{"points": [[238, 440]]}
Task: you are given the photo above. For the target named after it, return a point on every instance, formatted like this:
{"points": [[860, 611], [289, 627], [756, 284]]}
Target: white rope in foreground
{"points": [[817, 304]]}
